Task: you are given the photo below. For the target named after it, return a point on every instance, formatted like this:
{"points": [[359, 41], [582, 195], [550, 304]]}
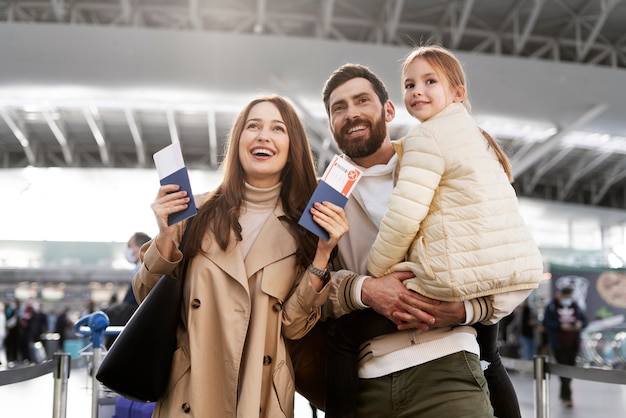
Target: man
{"points": [[120, 313], [563, 320], [131, 253], [437, 366]]}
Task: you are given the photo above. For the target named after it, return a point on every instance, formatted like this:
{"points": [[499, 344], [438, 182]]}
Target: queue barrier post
{"points": [[542, 397], [61, 376], [94, 325]]}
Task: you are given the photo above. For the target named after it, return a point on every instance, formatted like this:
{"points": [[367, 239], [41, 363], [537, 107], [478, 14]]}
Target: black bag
{"points": [[120, 313], [139, 362], [308, 355]]}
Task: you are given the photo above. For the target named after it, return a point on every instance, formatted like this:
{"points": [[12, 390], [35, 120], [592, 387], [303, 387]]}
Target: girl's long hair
{"points": [[220, 213]]}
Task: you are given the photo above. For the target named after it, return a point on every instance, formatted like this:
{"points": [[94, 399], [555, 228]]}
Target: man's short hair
{"points": [[141, 238], [346, 73]]}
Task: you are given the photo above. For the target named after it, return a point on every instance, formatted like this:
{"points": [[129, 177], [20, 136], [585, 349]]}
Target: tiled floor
{"points": [[34, 398]]}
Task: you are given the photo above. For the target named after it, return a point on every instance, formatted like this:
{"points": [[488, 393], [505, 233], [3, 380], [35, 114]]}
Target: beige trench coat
{"points": [[231, 359]]}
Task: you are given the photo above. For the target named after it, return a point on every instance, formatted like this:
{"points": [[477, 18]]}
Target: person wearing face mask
{"points": [[563, 320], [131, 253], [120, 313]]}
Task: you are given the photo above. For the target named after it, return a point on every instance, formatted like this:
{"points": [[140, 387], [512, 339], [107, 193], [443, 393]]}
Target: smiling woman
{"points": [[86, 205], [250, 271]]}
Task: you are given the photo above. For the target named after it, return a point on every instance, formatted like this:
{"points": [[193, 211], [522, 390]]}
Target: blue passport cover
{"points": [[323, 192], [181, 177]]}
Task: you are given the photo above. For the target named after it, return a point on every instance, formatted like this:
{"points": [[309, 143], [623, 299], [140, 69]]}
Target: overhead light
{"points": [[596, 141], [615, 261], [514, 129]]}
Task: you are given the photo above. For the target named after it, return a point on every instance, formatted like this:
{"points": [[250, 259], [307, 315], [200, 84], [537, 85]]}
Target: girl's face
{"points": [[427, 92], [264, 145]]}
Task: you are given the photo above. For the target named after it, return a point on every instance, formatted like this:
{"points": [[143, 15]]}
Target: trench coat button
{"points": [[277, 307], [186, 408], [267, 360], [195, 304]]}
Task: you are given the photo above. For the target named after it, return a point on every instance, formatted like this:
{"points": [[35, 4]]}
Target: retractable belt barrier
{"points": [[543, 369], [10, 376], [539, 366], [94, 325]]}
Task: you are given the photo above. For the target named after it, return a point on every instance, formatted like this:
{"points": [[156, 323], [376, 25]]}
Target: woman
{"points": [[251, 273]]}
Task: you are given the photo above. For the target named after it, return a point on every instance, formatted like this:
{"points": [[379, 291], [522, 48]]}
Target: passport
{"points": [[323, 192], [181, 177], [335, 186], [171, 170]]}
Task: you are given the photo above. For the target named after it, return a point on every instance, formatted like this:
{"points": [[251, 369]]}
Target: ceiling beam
{"points": [[457, 29], [261, 19], [327, 8], [520, 42], [19, 130], [194, 15], [617, 173], [539, 151], [58, 7], [181, 15], [581, 170], [58, 131], [171, 124], [97, 131], [606, 6], [135, 133], [212, 125], [546, 166], [126, 11], [394, 18]]}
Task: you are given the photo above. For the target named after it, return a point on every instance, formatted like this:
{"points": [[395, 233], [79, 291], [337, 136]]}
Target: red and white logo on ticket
{"points": [[341, 175]]}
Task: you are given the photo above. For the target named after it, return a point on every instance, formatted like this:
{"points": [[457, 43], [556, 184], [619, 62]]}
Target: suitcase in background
{"points": [[125, 408]]}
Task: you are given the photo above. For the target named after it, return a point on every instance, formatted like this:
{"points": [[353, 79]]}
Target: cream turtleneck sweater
{"points": [[257, 206]]}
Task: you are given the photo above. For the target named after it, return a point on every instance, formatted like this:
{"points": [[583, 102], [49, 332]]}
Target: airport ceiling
{"points": [[581, 160]]}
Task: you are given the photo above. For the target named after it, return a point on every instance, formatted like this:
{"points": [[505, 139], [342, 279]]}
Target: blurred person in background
{"points": [[63, 326], [132, 256], [563, 320], [120, 312], [12, 339], [527, 324], [32, 323], [3, 329]]}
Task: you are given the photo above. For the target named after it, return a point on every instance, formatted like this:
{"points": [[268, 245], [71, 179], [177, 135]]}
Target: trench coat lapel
{"points": [[230, 261], [273, 244]]}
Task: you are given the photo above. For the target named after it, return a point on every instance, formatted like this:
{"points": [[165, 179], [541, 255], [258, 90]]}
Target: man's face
{"points": [[357, 118]]}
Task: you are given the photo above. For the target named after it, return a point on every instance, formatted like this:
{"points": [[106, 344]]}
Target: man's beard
{"points": [[364, 146]]}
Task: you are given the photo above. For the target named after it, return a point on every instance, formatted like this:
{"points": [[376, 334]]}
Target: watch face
{"points": [[612, 288]]}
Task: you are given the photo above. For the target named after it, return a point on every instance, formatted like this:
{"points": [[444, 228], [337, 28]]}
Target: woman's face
{"points": [[263, 145]]}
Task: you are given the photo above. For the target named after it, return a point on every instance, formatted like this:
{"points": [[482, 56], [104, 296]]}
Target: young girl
{"points": [[453, 220]]}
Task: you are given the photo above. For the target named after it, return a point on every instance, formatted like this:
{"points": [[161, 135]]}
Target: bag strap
{"points": [[183, 272]]}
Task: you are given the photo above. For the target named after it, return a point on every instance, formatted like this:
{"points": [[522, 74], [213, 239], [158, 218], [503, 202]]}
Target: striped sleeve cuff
{"points": [[349, 293], [482, 309]]}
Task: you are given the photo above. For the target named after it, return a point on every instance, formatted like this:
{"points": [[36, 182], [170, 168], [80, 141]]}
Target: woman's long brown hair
{"points": [[220, 213]]}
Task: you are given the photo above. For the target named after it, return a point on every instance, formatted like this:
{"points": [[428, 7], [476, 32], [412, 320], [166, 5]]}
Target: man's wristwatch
{"points": [[323, 274]]}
